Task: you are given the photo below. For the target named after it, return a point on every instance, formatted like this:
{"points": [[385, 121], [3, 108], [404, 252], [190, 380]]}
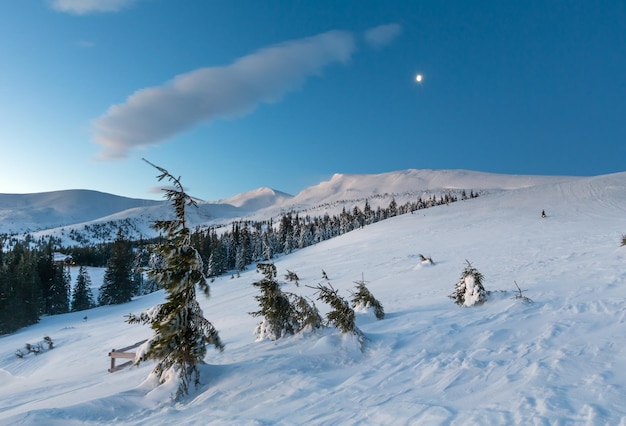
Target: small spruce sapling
{"points": [[283, 313], [306, 313], [363, 298], [469, 290], [341, 315], [293, 277], [275, 308], [623, 240], [520, 295]]}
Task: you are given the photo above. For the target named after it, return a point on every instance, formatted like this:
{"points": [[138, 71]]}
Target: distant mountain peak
{"points": [[256, 199]]}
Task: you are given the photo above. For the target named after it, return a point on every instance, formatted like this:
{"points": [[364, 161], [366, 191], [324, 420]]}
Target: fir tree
{"points": [[469, 290], [20, 289], [275, 308], [181, 333], [55, 283], [283, 313], [363, 298], [58, 301], [342, 315], [82, 298], [118, 286]]}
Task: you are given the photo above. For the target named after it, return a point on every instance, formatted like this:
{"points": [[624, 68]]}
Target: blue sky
{"points": [[235, 95]]}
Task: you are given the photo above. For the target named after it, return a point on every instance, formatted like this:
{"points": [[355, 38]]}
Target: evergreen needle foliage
{"points": [[469, 290], [181, 333], [623, 240], [82, 298], [275, 308], [293, 277], [342, 315], [364, 298], [283, 313], [118, 285]]}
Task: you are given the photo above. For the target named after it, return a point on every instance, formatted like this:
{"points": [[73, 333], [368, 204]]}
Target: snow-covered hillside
{"points": [[560, 360], [79, 216], [360, 186], [32, 212]]}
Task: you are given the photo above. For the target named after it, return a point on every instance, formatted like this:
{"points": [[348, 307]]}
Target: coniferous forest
{"points": [[33, 284]]}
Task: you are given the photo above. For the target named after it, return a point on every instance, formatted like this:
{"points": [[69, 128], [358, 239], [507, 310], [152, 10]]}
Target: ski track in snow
{"points": [[559, 360]]}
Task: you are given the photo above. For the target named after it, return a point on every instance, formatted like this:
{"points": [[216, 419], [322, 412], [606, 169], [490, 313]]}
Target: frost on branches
{"points": [[181, 333], [469, 291]]}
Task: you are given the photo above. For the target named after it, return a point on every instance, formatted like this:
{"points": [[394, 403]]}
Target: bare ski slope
{"points": [[560, 360]]}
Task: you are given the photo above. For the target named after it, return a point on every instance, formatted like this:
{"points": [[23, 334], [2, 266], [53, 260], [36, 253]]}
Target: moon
{"points": [[418, 78]]}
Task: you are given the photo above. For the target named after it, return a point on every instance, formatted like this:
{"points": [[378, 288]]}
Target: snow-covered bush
{"points": [[363, 299], [426, 260], [36, 349], [623, 240], [469, 290]]}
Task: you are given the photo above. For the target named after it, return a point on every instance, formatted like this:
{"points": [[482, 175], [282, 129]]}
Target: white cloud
{"points": [[382, 35], [85, 7], [154, 114]]}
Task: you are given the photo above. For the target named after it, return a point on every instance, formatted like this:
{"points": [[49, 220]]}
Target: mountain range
{"points": [[60, 212]]}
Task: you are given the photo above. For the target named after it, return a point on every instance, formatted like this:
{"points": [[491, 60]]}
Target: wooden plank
{"points": [[116, 354], [119, 367], [121, 353]]}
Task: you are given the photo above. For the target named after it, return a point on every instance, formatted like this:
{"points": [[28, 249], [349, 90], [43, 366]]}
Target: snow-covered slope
{"points": [[30, 212], [560, 360], [360, 186], [257, 199], [79, 212]]}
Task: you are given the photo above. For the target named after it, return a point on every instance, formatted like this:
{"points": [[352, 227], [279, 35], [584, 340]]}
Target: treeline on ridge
{"points": [[33, 284]]}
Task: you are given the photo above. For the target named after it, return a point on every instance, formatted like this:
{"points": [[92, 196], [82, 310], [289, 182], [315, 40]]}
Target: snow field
{"points": [[560, 360]]}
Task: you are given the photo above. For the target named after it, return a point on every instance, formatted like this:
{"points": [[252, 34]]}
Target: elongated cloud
{"points": [[85, 7], [382, 35], [153, 114]]}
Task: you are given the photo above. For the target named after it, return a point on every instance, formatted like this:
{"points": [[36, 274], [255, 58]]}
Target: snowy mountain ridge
{"points": [[74, 211]]}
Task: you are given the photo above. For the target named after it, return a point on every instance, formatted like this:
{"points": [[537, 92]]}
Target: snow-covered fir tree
{"points": [[283, 313], [364, 299], [181, 332], [82, 298], [469, 290], [341, 315], [277, 312]]}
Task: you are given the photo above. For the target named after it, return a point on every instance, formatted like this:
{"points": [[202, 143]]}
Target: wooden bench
{"points": [[121, 353]]}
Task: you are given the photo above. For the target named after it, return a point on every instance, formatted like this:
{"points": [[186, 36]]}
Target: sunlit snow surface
{"points": [[560, 360]]}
